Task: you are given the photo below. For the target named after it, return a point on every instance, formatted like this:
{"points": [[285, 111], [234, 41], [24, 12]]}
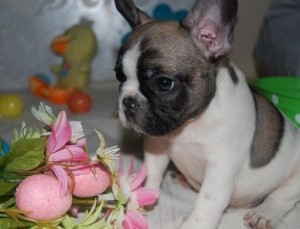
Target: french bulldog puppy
{"points": [[179, 89]]}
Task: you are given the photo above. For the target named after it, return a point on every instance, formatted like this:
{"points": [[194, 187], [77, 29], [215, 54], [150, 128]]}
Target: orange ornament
{"points": [[59, 95], [38, 87], [80, 102]]}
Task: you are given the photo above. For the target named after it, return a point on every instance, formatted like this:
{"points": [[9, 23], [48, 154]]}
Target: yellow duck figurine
{"points": [[78, 47]]}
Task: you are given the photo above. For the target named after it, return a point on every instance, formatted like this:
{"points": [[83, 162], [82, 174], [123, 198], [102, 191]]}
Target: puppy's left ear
{"points": [[211, 24], [133, 15]]}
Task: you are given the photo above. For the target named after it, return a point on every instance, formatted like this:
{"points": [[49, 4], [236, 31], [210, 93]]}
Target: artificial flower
{"points": [[64, 157], [138, 196], [59, 148], [43, 114], [77, 133], [131, 198], [107, 156], [134, 220], [25, 133]]}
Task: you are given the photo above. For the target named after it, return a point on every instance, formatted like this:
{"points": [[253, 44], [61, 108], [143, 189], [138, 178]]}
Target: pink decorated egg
{"points": [[40, 194], [93, 183]]}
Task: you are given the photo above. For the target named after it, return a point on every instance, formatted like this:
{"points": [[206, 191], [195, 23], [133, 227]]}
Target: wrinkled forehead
{"points": [[157, 45], [162, 31]]}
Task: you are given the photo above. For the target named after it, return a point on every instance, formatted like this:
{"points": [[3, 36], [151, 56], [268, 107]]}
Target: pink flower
{"points": [[136, 195], [63, 156], [134, 220]]}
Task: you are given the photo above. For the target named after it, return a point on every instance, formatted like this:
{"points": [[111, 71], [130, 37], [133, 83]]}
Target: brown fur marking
{"points": [[268, 133]]}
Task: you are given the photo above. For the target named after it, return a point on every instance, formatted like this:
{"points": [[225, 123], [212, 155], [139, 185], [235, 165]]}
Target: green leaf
{"points": [[1, 156], [25, 145], [93, 215], [98, 225], [8, 223], [6, 187], [69, 222], [6, 202], [1, 161], [25, 155]]}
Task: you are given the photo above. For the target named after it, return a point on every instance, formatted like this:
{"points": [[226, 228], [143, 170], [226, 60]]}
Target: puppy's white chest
{"points": [[189, 161]]}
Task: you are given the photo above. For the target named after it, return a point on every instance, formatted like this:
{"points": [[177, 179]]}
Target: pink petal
{"points": [[70, 153], [63, 155], [131, 167], [62, 130], [61, 120], [146, 196], [62, 177], [135, 220], [51, 143], [121, 169], [78, 154], [140, 177], [127, 223]]}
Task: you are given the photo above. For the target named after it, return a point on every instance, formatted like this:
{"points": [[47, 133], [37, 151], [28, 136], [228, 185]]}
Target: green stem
{"points": [[106, 204]]}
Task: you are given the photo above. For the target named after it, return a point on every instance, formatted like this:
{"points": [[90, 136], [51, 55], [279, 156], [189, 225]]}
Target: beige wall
{"points": [[251, 14]]}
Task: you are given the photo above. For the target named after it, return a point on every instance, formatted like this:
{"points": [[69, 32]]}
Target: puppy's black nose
{"points": [[130, 105]]}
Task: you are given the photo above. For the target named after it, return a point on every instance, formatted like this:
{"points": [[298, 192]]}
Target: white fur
{"points": [[131, 86], [212, 151]]}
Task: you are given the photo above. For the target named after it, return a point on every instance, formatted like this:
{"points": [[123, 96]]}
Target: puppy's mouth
{"points": [[138, 115]]}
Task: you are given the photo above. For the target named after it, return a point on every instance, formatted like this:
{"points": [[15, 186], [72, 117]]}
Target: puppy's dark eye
{"points": [[164, 84]]}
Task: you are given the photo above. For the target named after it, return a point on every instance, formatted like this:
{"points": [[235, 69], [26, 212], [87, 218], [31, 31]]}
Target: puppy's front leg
{"points": [[213, 198], [156, 160]]}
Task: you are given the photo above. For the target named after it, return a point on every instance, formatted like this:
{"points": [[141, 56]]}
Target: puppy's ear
{"points": [[133, 15], [211, 24]]}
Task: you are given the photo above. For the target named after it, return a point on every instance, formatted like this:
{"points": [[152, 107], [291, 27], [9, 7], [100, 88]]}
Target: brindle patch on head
{"points": [[170, 41], [268, 132]]}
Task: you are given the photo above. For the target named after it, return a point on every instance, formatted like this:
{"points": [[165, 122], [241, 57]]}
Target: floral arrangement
{"points": [[47, 178]]}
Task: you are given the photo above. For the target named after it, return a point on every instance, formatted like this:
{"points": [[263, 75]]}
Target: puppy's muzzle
{"points": [[130, 106]]}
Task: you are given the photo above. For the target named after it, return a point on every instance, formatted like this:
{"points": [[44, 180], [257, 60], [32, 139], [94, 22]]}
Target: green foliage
{"points": [[6, 187], [8, 223], [6, 201], [90, 221], [25, 155]]}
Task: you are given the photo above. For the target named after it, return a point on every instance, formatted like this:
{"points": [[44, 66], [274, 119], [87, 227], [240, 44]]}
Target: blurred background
{"points": [[27, 28]]}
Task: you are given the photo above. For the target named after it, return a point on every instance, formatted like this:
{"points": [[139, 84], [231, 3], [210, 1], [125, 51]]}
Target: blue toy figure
{"points": [[4, 148]]}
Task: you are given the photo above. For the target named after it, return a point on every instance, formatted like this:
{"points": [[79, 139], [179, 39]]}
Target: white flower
{"points": [[43, 114], [25, 133], [77, 131]]}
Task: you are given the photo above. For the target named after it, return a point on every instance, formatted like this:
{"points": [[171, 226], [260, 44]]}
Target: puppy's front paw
{"points": [[255, 221]]}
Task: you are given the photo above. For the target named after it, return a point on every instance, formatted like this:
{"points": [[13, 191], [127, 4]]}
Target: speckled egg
{"points": [[93, 183], [40, 194]]}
